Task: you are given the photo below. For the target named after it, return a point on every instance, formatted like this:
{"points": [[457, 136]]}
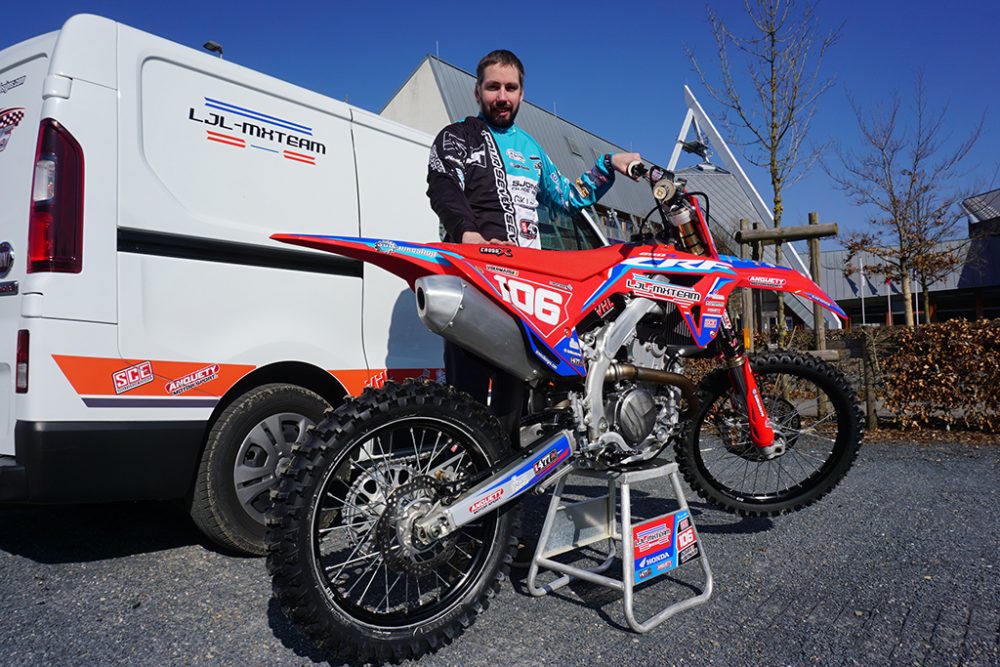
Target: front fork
{"points": [[745, 384]]}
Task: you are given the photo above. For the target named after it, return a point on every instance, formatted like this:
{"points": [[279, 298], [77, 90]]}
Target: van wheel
{"points": [[248, 445]]}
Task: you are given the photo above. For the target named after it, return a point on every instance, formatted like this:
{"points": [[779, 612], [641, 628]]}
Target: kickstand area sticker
{"points": [[662, 544]]}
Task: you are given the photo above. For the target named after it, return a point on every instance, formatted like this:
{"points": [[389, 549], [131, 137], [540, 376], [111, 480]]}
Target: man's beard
{"points": [[493, 118]]}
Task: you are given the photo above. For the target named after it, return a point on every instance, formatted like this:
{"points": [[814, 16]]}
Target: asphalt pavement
{"points": [[898, 566]]}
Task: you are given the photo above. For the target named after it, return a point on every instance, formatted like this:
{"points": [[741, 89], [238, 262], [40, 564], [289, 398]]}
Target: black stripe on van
{"points": [[102, 402], [210, 250]]}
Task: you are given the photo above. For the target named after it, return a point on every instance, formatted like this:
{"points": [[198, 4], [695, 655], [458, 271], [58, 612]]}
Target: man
{"points": [[486, 180]]}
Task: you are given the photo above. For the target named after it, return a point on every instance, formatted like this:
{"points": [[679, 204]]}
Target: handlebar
{"points": [[671, 200], [636, 169], [663, 182]]}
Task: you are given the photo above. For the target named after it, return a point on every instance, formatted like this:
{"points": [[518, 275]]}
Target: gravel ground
{"points": [[898, 566]]}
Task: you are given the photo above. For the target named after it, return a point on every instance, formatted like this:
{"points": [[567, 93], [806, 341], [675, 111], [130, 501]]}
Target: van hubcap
{"points": [[262, 456]]}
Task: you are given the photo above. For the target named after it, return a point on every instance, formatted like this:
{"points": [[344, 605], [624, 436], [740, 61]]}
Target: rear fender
{"points": [[409, 261], [764, 276]]}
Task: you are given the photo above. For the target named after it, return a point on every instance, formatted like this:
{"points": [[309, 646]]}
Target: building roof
{"points": [[983, 207], [981, 268], [727, 204]]}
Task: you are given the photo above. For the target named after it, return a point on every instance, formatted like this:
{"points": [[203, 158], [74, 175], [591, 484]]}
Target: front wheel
{"points": [[817, 423], [346, 564]]}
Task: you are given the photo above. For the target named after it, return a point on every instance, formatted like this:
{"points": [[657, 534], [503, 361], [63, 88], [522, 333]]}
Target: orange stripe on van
{"points": [[103, 376], [110, 376]]}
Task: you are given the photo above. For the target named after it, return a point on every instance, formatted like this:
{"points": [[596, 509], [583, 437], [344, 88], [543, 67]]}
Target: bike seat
{"points": [[575, 265]]}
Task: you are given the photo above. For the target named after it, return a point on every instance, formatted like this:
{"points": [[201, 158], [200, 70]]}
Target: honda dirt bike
{"points": [[393, 525]]}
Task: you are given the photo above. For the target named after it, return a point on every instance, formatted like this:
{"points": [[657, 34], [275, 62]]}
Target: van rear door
{"points": [[23, 68]]}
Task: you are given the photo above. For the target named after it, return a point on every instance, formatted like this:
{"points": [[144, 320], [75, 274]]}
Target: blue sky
{"points": [[614, 68]]}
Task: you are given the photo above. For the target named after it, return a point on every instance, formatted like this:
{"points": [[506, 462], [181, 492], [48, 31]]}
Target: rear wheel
{"points": [[346, 564], [249, 442], [816, 419]]}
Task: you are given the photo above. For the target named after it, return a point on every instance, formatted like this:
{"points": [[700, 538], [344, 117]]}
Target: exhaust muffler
{"points": [[449, 307]]}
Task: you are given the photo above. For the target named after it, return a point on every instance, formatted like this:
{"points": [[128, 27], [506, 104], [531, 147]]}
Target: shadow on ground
{"points": [[83, 533]]}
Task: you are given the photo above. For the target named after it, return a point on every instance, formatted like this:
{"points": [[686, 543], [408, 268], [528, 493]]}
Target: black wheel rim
{"points": [[349, 561], [811, 431]]}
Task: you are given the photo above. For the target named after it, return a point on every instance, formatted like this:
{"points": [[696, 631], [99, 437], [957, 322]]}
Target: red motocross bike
{"points": [[393, 525]]}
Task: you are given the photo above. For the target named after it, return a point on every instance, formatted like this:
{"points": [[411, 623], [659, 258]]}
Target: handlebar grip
{"points": [[636, 169]]}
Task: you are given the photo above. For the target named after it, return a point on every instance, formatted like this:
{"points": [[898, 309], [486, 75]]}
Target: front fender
{"points": [[761, 275], [409, 261]]}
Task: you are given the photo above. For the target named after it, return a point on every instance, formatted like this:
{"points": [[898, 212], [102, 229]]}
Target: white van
{"points": [[154, 342]]}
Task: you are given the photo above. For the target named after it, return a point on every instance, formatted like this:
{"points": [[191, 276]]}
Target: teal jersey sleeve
{"points": [[559, 192]]}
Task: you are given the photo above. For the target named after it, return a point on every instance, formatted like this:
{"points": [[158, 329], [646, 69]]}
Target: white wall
{"points": [[419, 102]]}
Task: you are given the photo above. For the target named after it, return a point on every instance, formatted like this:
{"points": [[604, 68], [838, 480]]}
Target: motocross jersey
{"points": [[500, 183]]}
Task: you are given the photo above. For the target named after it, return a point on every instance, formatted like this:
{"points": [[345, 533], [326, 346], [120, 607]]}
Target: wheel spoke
{"points": [[345, 502], [383, 489], [359, 559], [377, 564], [434, 453], [360, 543]]}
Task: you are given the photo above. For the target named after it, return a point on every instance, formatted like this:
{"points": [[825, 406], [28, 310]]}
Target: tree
{"points": [[909, 173], [776, 101], [934, 264]]}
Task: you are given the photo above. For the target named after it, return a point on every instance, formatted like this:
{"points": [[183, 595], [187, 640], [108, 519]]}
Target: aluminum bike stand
{"points": [[571, 526]]}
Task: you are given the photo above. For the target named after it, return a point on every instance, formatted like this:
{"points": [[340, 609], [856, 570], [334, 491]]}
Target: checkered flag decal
{"points": [[10, 117]]}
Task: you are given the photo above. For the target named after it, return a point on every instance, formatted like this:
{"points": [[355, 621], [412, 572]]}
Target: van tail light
{"points": [[21, 382], [55, 229]]}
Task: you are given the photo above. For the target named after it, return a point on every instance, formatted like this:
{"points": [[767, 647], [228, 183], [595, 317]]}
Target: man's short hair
{"points": [[499, 57]]}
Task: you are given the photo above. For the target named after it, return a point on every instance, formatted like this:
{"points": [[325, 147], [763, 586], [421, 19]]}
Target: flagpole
{"points": [[888, 301], [861, 288]]}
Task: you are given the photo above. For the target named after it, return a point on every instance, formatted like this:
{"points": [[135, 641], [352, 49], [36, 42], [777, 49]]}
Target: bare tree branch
{"points": [[775, 100], [911, 175]]}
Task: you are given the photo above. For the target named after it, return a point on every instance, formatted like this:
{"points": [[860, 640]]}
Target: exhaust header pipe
{"points": [[688, 389], [450, 308]]}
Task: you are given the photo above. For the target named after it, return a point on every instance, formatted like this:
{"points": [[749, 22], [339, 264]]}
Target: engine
{"points": [[632, 412], [644, 404]]}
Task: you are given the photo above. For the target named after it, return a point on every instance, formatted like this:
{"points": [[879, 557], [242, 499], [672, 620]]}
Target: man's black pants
{"points": [[469, 373]]}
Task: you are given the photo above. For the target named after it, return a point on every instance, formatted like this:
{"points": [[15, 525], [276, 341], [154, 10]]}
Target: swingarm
{"points": [[501, 488]]}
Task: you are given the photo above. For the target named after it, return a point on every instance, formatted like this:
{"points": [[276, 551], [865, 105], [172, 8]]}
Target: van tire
{"points": [[278, 414]]}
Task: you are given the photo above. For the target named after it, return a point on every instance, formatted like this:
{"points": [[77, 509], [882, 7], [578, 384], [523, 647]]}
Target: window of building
{"points": [[574, 147], [568, 232]]}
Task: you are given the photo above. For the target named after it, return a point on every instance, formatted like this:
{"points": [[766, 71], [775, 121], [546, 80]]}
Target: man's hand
{"points": [[473, 237], [479, 239], [621, 161]]}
